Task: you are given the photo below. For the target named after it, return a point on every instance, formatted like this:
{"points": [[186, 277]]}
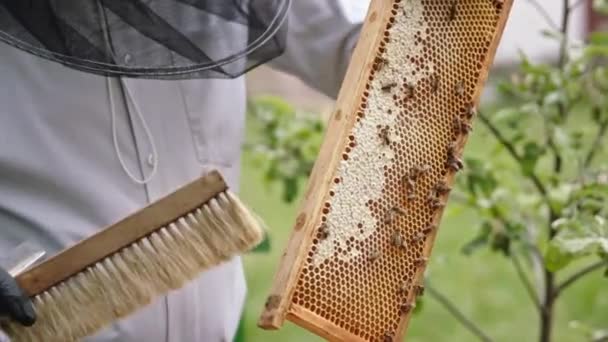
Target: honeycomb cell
{"points": [[422, 80]]}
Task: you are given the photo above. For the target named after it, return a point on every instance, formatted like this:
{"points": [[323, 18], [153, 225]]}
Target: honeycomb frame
{"points": [[365, 231]]}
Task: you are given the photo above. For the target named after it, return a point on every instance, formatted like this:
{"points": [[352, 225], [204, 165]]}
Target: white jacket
{"points": [[61, 179]]}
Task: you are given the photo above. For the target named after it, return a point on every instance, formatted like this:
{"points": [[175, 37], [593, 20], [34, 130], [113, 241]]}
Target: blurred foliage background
{"points": [[522, 253]]}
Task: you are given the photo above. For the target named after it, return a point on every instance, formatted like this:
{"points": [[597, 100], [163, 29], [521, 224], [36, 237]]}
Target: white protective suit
{"points": [[61, 178]]}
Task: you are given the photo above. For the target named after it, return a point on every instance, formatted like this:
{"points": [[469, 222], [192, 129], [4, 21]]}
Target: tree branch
{"points": [[557, 162], [598, 140], [509, 146], [526, 282], [578, 275], [453, 309], [564, 30], [543, 12]]}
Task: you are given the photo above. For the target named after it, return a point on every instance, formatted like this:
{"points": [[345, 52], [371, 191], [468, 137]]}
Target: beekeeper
{"points": [[107, 105]]}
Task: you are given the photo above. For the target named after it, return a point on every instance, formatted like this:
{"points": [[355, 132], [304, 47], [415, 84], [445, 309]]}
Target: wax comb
{"points": [[363, 236], [125, 266]]}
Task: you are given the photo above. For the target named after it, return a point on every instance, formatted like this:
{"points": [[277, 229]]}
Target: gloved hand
{"points": [[13, 302]]}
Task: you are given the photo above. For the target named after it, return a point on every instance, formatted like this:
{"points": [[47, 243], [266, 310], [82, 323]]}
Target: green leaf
{"points": [[479, 241], [532, 152], [501, 243], [586, 240], [598, 38], [553, 98], [595, 51], [577, 237], [601, 6], [290, 192], [556, 259], [507, 115]]}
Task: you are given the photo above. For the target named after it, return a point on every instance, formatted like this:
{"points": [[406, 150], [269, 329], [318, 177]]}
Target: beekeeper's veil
{"points": [[162, 39]]}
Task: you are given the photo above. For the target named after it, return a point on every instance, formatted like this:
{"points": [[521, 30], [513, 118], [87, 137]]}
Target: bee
{"points": [[459, 88], [272, 302], [419, 290], [409, 91], [442, 188], [399, 211], [432, 195], [407, 307], [388, 337], [429, 229], [461, 127], [419, 170], [453, 10], [419, 237], [471, 111], [381, 63], [410, 187], [374, 255], [436, 203], [385, 135], [409, 182], [434, 83], [397, 239], [323, 231], [453, 162], [411, 196], [421, 262], [403, 288], [389, 217], [388, 87], [456, 165]]}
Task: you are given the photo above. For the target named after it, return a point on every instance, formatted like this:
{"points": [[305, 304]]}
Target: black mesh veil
{"points": [[162, 39]]}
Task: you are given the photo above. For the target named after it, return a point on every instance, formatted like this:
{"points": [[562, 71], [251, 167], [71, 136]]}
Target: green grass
{"points": [[484, 286]]}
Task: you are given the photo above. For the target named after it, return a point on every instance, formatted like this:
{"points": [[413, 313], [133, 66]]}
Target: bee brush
{"points": [[125, 266]]}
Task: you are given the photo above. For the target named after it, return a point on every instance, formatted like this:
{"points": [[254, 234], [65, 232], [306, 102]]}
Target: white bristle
{"points": [[133, 277]]}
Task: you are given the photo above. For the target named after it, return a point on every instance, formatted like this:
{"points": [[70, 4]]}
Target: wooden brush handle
{"points": [[121, 234]]}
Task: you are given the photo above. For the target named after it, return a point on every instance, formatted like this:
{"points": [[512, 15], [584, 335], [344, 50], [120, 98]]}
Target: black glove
{"points": [[13, 302]]}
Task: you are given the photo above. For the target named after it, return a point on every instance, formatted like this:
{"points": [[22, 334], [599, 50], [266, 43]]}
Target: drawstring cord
{"points": [[146, 130]]}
